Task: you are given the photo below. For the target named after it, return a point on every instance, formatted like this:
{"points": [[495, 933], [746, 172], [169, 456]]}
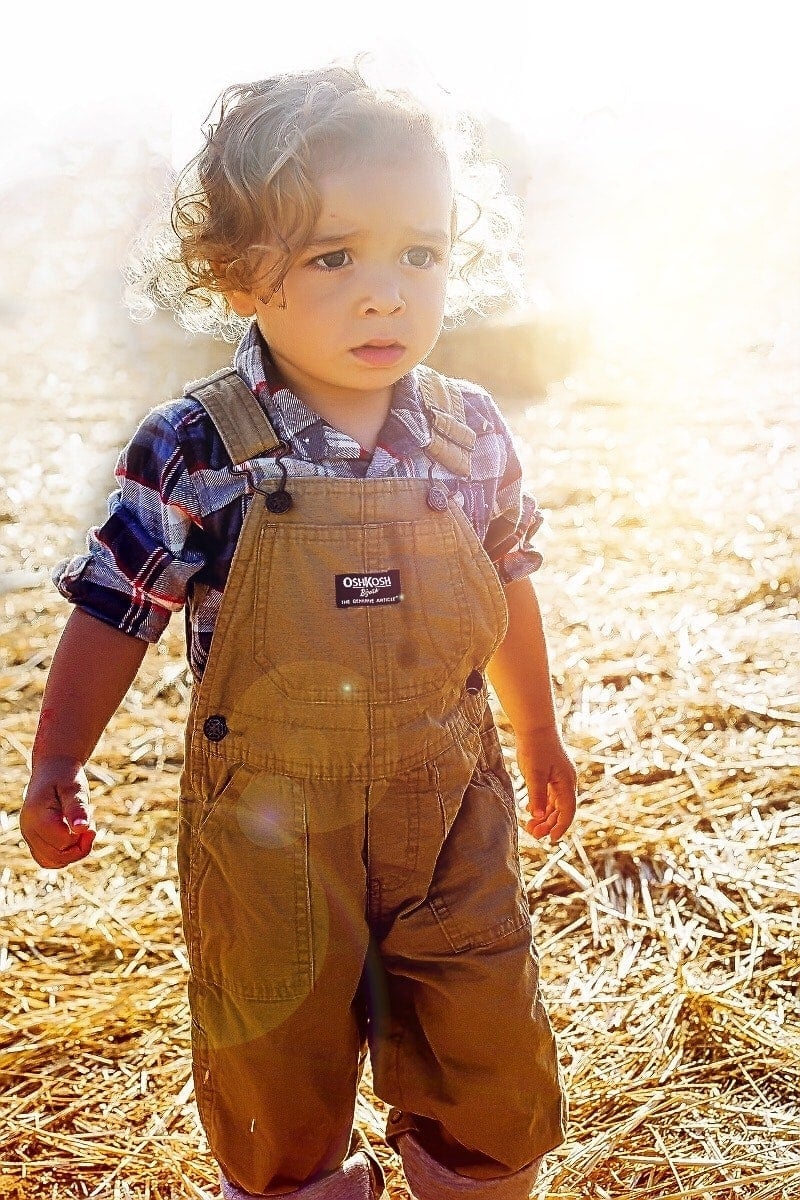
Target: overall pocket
{"points": [[323, 639], [247, 898], [477, 894]]}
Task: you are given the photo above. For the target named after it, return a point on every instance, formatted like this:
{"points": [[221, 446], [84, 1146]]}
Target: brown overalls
{"points": [[348, 835]]}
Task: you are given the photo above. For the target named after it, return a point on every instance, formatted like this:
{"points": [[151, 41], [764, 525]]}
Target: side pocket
{"points": [[247, 899], [503, 789], [477, 894]]}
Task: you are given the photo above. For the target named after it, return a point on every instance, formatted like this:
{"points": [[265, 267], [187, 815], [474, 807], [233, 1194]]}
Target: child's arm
{"points": [[93, 667], [520, 674]]}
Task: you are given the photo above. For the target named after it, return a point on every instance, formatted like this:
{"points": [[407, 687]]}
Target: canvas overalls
{"points": [[348, 836]]}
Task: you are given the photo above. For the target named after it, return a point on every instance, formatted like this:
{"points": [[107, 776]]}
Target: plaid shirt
{"points": [[174, 521]]}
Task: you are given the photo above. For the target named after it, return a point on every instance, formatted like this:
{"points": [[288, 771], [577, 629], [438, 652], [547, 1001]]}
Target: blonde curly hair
{"points": [[252, 189]]}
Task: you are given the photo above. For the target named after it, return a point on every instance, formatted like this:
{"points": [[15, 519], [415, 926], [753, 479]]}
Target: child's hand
{"points": [[55, 820], [551, 778]]}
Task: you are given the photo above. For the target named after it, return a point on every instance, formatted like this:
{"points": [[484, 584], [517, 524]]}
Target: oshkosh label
{"points": [[376, 587]]}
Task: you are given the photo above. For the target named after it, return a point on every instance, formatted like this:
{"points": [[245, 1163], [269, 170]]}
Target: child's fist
{"points": [[55, 819], [551, 779]]}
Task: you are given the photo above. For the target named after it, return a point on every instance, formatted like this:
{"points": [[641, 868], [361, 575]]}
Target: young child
{"points": [[350, 528]]}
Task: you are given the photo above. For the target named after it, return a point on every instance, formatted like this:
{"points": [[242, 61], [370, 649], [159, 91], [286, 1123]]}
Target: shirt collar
{"points": [[405, 431]]}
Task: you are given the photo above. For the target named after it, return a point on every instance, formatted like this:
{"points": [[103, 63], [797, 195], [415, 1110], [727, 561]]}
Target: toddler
{"points": [[347, 534]]}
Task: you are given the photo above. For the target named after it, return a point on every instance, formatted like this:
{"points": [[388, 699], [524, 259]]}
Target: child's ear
{"points": [[242, 303]]}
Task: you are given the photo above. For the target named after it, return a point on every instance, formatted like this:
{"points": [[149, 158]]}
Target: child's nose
{"points": [[383, 296]]}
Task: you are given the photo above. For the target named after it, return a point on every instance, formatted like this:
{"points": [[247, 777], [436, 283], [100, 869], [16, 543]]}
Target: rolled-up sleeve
{"points": [[509, 540], [515, 516], [139, 563]]}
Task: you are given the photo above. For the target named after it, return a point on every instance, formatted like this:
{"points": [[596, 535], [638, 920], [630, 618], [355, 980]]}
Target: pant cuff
{"points": [[429, 1180], [358, 1178]]}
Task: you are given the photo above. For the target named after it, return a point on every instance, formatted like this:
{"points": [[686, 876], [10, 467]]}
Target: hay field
{"points": [[667, 921]]}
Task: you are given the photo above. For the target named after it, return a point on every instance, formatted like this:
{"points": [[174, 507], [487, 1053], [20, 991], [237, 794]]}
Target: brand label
{"points": [[374, 587]]}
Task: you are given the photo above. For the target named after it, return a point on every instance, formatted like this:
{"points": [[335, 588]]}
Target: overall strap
{"points": [[452, 440], [240, 420]]}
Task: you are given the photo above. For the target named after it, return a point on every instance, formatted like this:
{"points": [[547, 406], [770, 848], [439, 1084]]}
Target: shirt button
{"points": [[474, 683], [215, 728]]}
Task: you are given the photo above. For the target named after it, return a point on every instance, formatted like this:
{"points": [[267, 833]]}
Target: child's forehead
{"points": [[380, 194]]}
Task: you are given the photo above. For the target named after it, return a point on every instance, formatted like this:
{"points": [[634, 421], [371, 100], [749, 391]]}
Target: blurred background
{"points": [[655, 147]]}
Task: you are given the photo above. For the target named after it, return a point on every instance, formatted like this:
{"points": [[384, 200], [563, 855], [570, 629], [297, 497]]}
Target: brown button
{"points": [[437, 498], [474, 683], [215, 728], [278, 502]]}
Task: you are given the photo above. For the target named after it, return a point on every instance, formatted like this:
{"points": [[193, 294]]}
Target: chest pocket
{"points": [[397, 626]]}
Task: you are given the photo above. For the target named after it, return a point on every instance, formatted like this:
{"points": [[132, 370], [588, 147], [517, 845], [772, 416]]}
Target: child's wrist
{"points": [[55, 743], [548, 731], [54, 760]]}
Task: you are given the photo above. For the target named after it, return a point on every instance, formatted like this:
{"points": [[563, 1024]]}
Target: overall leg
{"points": [[466, 1053], [273, 896]]}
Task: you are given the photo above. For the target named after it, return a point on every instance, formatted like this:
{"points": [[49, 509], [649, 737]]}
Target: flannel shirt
{"points": [[175, 518]]}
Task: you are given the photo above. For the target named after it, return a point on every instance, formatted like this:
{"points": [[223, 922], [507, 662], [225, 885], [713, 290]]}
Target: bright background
{"points": [[656, 143], [544, 66]]}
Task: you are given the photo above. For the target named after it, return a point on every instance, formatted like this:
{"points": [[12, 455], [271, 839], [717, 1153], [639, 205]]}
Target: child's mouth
{"points": [[379, 353]]}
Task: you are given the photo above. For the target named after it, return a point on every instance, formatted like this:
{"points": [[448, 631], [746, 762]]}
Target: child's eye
{"points": [[333, 261], [420, 256]]}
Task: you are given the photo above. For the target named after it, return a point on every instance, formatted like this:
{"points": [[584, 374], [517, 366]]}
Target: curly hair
{"points": [[245, 206]]}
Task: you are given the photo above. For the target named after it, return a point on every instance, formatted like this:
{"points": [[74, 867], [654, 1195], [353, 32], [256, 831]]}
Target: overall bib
{"points": [[348, 835]]}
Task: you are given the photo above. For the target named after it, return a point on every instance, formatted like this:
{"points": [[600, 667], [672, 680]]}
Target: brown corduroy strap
{"points": [[452, 440], [246, 431], [241, 422]]}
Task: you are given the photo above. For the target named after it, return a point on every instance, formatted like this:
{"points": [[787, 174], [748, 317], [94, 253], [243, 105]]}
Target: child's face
{"points": [[364, 302]]}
